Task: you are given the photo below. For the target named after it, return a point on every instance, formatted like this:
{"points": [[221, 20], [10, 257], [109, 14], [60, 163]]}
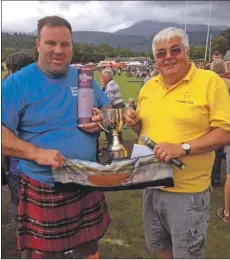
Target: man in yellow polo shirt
{"points": [[186, 111]]}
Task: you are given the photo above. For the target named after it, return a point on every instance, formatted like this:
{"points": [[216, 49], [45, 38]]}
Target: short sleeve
{"points": [[100, 97], [11, 104], [219, 103]]}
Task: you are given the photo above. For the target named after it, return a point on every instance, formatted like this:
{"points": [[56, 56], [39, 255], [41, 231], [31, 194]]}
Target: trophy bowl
{"points": [[113, 124]]}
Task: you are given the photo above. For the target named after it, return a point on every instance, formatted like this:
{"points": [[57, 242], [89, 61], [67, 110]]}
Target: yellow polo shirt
{"points": [[184, 113]]}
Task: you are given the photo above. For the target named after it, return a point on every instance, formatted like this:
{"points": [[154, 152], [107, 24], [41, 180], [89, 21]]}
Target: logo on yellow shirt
{"points": [[187, 95]]}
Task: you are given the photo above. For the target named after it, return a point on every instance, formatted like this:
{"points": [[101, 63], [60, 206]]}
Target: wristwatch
{"points": [[186, 147]]}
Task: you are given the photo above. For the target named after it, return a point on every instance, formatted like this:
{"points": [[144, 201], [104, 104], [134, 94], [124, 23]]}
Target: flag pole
{"points": [[210, 48], [186, 15], [209, 21]]}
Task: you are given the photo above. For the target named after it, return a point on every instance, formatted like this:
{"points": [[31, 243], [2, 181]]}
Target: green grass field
{"points": [[125, 235]]}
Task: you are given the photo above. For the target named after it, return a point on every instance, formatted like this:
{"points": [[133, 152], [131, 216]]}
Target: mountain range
{"points": [[138, 37]]}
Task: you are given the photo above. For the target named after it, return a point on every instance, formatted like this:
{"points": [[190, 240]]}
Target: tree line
{"points": [[222, 42], [84, 53]]}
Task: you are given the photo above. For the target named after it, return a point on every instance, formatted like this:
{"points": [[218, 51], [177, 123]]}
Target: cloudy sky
{"points": [[110, 16]]}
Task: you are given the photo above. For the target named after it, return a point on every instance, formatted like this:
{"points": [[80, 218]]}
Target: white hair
{"points": [[168, 34], [108, 72]]}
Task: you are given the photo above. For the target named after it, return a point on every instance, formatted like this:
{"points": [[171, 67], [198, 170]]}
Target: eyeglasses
{"points": [[173, 52]]}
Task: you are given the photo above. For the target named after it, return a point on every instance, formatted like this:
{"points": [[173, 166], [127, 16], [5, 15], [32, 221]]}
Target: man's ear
{"points": [[38, 45]]}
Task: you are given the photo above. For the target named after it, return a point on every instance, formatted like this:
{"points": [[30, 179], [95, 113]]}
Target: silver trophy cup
{"points": [[112, 124]]}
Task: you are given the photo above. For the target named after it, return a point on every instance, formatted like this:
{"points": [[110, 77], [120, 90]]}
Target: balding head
{"points": [[218, 66]]}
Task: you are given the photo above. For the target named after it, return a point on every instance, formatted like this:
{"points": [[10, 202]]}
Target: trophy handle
{"points": [[102, 127], [99, 112]]}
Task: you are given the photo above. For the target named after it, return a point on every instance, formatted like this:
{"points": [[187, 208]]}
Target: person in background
{"points": [[148, 77], [131, 104], [112, 90], [217, 55], [227, 72], [224, 213], [138, 72], [14, 62], [99, 149], [114, 70], [218, 66], [184, 110], [40, 103], [17, 60], [228, 66], [119, 72], [154, 73]]}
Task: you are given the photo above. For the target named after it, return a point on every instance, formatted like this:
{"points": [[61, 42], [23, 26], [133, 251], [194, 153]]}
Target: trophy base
{"points": [[118, 155]]}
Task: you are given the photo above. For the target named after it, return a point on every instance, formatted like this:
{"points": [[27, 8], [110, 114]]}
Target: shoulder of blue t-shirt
{"points": [[25, 73], [19, 84]]}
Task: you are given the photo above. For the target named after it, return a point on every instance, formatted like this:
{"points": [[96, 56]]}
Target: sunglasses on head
{"points": [[173, 52]]}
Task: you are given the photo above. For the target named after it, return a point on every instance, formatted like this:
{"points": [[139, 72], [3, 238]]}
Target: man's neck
{"points": [[171, 81], [48, 73], [39, 65]]}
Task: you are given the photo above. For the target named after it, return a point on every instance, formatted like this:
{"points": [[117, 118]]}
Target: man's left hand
{"points": [[165, 151]]}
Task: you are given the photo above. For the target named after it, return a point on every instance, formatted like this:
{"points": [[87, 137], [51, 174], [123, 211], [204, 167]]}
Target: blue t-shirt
{"points": [[43, 111], [13, 166]]}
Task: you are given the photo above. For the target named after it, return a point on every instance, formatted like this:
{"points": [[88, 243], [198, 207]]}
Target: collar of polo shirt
{"points": [[188, 77]]}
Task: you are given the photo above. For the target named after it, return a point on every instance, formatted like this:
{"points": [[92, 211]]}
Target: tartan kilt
{"points": [[53, 221]]}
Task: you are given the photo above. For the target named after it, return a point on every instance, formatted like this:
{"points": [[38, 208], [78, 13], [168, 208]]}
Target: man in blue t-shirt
{"points": [[40, 104]]}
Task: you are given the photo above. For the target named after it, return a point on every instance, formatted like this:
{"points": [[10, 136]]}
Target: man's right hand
{"points": [[131, 117], [51, 158]]}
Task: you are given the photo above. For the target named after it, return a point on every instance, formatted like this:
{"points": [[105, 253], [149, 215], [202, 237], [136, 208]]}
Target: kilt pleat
{"points": [[50, 220]]}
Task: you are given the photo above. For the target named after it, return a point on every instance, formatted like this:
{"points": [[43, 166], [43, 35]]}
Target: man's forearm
{"points": [[12, 146], [211, 141]]}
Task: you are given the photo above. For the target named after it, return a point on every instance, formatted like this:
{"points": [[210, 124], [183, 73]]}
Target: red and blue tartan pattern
{"points": [[53, 221]]}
